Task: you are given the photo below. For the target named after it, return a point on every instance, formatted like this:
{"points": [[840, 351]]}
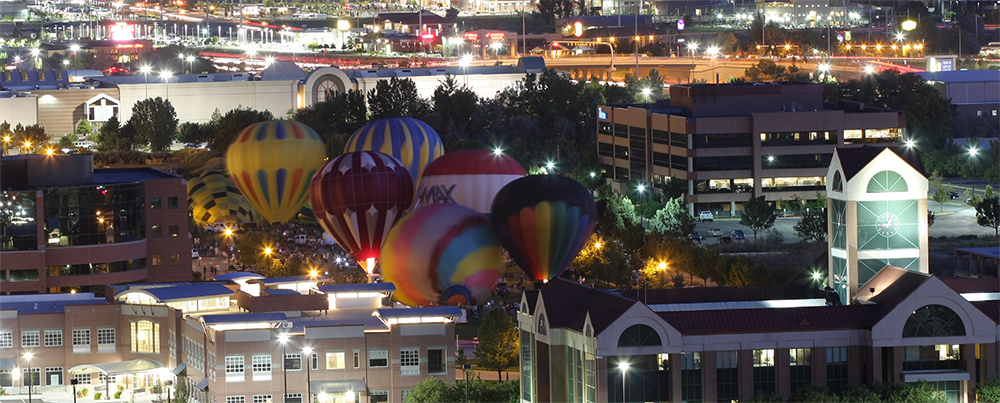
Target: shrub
{"points": [[97, 395], [764, 397], [118, 394], [989, 392]]}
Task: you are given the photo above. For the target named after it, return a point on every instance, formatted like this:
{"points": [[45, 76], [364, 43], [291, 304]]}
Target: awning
{"points": [[203, 385], [935, 376], [8, 363], [120, 368], [348, 385], [179, 368]]}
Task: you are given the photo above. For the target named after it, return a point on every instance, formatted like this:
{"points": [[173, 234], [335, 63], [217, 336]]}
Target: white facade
{"points": [[196, 101], [19, 110]]}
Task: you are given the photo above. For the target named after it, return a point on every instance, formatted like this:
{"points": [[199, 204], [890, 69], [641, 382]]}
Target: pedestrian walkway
{"points": [[67, 397]]}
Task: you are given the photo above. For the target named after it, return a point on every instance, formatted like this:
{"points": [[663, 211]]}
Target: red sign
{"points": [[129, 46], [471, 36], [496, 36]]}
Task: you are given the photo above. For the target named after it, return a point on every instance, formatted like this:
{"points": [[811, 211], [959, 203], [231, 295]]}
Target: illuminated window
{"points": [[157, 260], [378, 358], [145, 337], [934, 321], [853, 133], [335, 360]]}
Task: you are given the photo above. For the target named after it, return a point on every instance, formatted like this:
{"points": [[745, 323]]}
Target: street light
{"points": [[646, 92], [27, 360], [267, 251], [283, 338], [973, 151], [165, 75], [464, 62], [190, 60], [497, 151], [692, 47], [909, 143], [268, 61], [145, 70], [869, 69], [308, 353], [624, 367]]}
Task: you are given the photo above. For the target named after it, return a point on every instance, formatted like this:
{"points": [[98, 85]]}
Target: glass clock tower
{"points": [[877, 215]]}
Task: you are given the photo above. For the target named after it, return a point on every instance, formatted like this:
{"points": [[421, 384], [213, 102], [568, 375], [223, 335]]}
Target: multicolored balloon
{"points": [[543, 221], [307, 215], [214, 198], [272, 164], [357, 197], [409, 140], [442, 254], [471, 178]]}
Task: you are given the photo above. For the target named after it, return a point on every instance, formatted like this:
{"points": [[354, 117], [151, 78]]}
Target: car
{"points": [[738, 234], [725, 239], [194, 253], [715, 232], [706, 216], [695, 237], [953, 195]]}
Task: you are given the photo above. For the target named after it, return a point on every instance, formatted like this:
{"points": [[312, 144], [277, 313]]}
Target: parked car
{"points": [[725, 239], [216, 228], [706, 216], [194, 253], [738, 234], [715, 232], [953, 195], [695, 237]]}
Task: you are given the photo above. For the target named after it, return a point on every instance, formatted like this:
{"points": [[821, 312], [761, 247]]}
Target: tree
{"points": [[181, 394], [155, 122], [989, 392], [197, 133], [107, 136], [812, 394], [84, 129], [941, 196], [335, 119], [232, 123], [498, 342], [812, 226], [29, 137], [758, 215], [674, 218], [396, 97], [920, 392], [988, 214], [68, 141], [429, 390], [859, 394]]}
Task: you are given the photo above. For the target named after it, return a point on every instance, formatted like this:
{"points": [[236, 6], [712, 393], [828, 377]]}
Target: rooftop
{"points": [[47, 303], [854, 159], [963, 76], [363, 287], [126, 175]]}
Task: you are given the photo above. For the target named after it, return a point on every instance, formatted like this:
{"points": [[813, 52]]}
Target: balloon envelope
{"points": [[214, 198], [543, 221], [409, 140], [471, 178], [272, 164], [442, 254], [357, 197]]}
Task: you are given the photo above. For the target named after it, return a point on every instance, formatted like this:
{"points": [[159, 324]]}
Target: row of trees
{"points": [[153, 124]]}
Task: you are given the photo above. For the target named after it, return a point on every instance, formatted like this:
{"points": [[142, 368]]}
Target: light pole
{"points": [[75, 49], [169, 383], [165, 75], [145, 70], [646, 92], [284, 373], [464, 62], [692, 47], [713, 51], [973, 151], [308, 353], [31, 382], [190, 60], [624, 367]]}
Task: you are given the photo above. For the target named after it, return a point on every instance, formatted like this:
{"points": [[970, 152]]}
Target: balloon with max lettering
{"points": [[442, 254], [543, 221], [471, 178], [272, 164], [357, 197]]}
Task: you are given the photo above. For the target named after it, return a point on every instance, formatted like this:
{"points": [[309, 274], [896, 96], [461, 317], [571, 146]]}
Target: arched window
{"points": [[639, 335], [543, 327], [145, 337], [934, 321], [887, 181], [838, 182]]}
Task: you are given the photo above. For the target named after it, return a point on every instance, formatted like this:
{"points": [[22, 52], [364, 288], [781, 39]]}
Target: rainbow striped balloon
{"points": [[442, 254], [410, 140], [214, 198], [273, 163]]}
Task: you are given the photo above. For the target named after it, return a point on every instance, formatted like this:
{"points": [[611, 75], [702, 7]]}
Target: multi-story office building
{"points": [[728, 142], [65, 226], [224, 342]]}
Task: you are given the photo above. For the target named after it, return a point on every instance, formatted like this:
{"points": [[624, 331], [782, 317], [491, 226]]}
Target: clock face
{"points": [[891, 224], [887, 224]]}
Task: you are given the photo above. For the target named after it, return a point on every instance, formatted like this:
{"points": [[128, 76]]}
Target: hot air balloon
{"points": [[543, 221], [357, 197], [468, 177], [272, 164], [214, 198], [409, 140], [442, 254], [307, 215]]}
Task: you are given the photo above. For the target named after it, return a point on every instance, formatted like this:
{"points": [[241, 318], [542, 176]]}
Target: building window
{"points": [[172, 202], [378, 359], [32, 378], [293, 361], [157, 260], [850, 134], [175, 259], [590, 368], [314, 360], [261, 366], [403, 393], [436, 361], [53, 338], [691, 377], [81, 340], [800, 360], [409, 361], [294, 398], [83, 379], [145, 337], [172, 344], [234, 369], [261, 398], [156, 231], [836, 368], [357, 359], [30, 338], [526, 342], [933, 321], [378, 396], [236, 399], [727, 376], [7, 339], [53, 376], [155, 203], [6, 378], [638, 336], [932, 358], [335, 360], [763, 371], [106, 340], [174, 231], [887, 181]]}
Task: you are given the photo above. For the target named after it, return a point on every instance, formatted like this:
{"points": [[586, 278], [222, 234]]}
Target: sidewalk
{"points": [[67, 397]]}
